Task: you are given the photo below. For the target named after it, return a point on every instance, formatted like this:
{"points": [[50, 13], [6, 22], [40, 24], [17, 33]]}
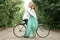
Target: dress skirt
{"points": [[31, 26]]}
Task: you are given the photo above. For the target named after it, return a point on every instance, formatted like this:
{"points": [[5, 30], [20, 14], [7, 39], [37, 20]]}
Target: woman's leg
{"points": [[28, 29], [31, 27], [34, 27]]}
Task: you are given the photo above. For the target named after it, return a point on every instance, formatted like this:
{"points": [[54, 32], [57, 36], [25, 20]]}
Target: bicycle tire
{"points": [[43, 30], [19, 33]]}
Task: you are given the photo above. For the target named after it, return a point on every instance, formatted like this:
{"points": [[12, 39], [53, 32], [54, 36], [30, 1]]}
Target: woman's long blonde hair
{"points": [[33, 7]]}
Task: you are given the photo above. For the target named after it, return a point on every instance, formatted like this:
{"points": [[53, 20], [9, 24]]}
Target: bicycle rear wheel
{"points": [[19, 30], [43, 30]]}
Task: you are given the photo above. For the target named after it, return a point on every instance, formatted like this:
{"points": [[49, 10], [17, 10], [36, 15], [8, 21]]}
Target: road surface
{"points": [[8, 35]]}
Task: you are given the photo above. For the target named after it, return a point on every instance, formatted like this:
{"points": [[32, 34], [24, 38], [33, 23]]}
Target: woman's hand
{"points": [[36, 17]]}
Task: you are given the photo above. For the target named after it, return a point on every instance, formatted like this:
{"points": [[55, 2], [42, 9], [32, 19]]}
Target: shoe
{"points": [[32, 36], [26, 36]]}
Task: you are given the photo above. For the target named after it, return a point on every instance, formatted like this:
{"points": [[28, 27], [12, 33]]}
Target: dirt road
{"points": [[8, 35]]}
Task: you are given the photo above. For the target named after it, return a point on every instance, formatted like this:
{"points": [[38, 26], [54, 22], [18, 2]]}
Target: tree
{"points": [[10, 12], [49, 10]]}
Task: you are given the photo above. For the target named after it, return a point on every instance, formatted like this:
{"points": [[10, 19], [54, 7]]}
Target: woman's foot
{"points": [[32, 36], [26, 36]]}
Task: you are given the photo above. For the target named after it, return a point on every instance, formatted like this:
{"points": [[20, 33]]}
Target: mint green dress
{"points": [[31, 26]]}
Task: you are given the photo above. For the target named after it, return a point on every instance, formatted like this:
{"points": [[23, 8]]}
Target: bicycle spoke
{"points": [[19, 30], [43, 31]]}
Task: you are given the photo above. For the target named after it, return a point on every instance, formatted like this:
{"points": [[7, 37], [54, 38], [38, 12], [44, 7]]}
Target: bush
{"points": [[10, 12], [50, 12]]}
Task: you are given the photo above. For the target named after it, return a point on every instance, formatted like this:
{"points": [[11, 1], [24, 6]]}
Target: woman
{"points": [[32, 24]]}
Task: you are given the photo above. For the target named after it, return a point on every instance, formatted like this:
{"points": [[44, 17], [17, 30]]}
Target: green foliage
{"points": [[2, 1], [10, 12], [49, 10]]}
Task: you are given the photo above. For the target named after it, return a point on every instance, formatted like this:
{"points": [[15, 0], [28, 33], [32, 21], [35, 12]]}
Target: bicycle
{"points": [[42, 30]]}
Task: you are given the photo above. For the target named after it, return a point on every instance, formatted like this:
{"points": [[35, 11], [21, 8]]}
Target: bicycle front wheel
{"points": [[19, 31], [43, 30]]}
